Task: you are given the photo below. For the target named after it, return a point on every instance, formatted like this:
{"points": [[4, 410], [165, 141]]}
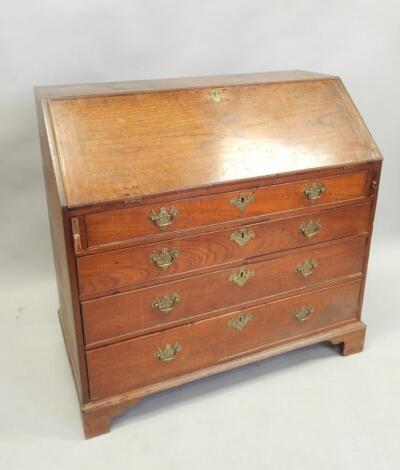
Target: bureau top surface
{"points": [[120, 141]]}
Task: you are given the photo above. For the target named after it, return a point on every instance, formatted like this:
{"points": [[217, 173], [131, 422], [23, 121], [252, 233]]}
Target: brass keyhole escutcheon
{"points": [[242, 236], [215, 95], [242, 276], [242, 201], [240, 321]]}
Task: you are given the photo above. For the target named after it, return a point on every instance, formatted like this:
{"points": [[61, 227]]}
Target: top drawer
{"points": [[115, 226]]}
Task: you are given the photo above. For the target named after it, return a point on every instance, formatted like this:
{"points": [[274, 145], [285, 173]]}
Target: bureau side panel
{"points": [[375, 182], [65, 267]]}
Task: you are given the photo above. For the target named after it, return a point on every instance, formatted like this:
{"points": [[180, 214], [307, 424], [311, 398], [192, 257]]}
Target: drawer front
{"points": [[120, 268], [142, 361], [125, 224], [164, 305]]}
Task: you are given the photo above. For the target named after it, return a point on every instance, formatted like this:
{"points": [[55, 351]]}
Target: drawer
{"points": [[115, 269], [147, 360], [164, 305], [155, 219]]}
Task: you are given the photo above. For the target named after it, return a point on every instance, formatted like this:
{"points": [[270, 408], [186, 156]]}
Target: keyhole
{"points": [[242, 199]]}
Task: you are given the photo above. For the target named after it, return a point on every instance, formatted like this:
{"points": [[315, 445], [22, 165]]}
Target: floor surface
{"points": [[309, 409]]}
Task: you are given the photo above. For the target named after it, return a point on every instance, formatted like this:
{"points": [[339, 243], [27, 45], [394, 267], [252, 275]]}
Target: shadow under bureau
{"points": [[202, 224]]}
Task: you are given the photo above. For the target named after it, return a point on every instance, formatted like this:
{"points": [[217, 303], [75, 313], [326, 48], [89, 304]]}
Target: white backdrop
{"points": [[56, 42]]}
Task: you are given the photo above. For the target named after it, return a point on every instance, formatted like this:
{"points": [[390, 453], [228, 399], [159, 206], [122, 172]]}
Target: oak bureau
{"points": [[202, 224]]}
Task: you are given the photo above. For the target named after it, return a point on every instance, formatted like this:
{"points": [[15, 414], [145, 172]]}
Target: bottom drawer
{"points": [[149, 359]]}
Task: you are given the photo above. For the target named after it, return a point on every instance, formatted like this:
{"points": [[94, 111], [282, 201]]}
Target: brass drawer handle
{"points": [[164, 258], [168, 353], [240, 321], [166, 303], [242, 201], [311, 228], [164, 217], [242, 276], [314, 191], [307, 267], [242, 236], [303, 313]]}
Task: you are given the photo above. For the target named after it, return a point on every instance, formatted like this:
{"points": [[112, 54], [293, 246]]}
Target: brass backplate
{"points": [[307, 267], [314, 191], [303, 313], [164, 258], [242, 201], [242, 236], [166, 303], [241, 276], [163, 217], [168, 352], [310, 228], [240, 321]]}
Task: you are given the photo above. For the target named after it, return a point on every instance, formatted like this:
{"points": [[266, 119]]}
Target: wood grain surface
{"points": [[177, 83], [130, 364], [122, 146], [69, 312], [113, 153], [113, 226], [97, 414], [127, 267], [118, 315]]}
